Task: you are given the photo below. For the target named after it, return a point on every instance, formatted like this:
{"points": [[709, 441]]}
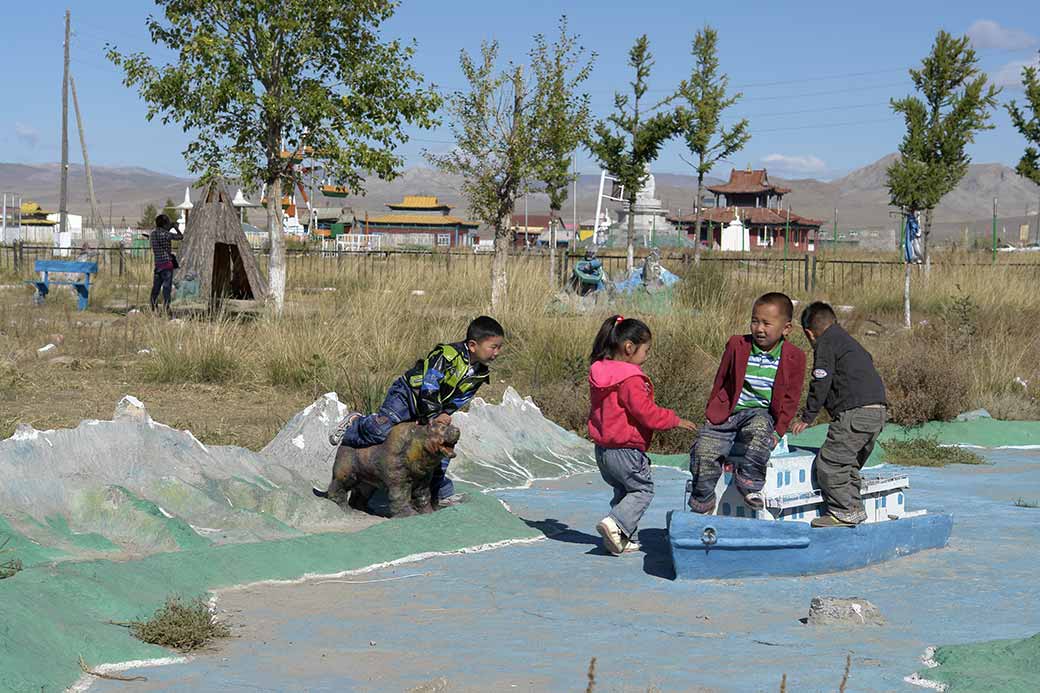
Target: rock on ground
{"points": [[831, 611]]}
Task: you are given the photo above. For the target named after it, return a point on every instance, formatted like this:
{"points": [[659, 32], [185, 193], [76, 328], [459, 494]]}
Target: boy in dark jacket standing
{"points": [[754, 397], [432, 390], [845, 382]]}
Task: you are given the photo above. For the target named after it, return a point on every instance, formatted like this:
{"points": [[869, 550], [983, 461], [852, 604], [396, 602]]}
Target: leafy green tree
{"points": [[494, 153], [955, 104], [148, 216], [169, 209], [255, 77], [631, 137], [1027, 121], [703, 100], [562, 117]]}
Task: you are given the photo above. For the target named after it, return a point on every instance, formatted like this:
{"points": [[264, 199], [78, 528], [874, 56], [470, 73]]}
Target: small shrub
{"points": [[705, 285], [181, 626], [927, 452], [11, 566], [925, 380]]}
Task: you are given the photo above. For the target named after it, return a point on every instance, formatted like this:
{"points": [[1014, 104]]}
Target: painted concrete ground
{"points": [[529, 617]]}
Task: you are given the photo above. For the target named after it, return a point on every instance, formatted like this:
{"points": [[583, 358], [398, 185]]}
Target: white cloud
{"points": [[1010, 75], [26, 134], [806, 165], [985, 33]]}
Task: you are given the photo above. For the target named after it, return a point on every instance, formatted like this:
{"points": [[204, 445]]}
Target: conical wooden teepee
{"points": [[216, 252]]}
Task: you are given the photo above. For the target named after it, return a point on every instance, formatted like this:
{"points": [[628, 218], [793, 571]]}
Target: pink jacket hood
{"points": [[608, 373]]}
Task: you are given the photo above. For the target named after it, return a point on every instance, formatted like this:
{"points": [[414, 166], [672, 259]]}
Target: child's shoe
{"points": [[829, 520], [631, 546], [755, 500], [611, 534], [336, 437]]}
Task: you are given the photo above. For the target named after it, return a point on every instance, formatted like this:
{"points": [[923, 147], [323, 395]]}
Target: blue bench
{"points": [[45, 267]]}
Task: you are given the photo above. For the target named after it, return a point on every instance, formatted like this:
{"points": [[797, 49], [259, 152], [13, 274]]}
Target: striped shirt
{"points": [[757, 391]]}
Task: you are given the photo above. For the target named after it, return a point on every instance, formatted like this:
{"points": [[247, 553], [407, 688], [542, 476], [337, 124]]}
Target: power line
{"points": [[820, 79], [828, 125]]}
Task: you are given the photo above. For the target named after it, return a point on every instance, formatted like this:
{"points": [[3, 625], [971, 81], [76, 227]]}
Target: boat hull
{"points": [[719, 547]]}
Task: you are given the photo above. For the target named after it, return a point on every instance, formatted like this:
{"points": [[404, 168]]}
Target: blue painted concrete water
{"points": [[529, 617]]}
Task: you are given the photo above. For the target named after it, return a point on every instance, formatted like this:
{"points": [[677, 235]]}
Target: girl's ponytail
{"points": [[615, 331]]}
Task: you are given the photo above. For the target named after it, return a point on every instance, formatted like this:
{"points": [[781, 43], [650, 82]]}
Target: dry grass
{"points": [[182, 626], [927, 452], [10, 566], [237, 381]]}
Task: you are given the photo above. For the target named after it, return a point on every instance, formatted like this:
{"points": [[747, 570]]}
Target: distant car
{"points": [[1007, 248], [1032, 248]]}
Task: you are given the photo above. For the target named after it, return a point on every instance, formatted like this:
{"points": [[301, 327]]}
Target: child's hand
{"points": [[442, 418], [687, 425], [798, 426]]}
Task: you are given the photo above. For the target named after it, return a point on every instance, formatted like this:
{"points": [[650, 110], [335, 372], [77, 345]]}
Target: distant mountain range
{"points": [[860, 196]]}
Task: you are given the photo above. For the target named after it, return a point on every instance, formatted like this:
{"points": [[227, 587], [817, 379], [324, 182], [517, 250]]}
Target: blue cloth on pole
{"points": [[912, 240]]}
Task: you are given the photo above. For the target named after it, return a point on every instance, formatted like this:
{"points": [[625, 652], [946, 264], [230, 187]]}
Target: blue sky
{"points": [[816, 76]]}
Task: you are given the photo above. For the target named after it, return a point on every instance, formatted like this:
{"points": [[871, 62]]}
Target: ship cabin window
{"points": [[801, 476], [884, 501], [900, 499], [787, 477], [779, 479], [740, 511], [877, 503], [725, 508]]}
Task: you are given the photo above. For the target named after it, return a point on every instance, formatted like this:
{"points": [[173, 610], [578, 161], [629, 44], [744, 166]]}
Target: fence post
{"points": [[805, 268], [121, 265], [814, 273], [17, 255]]}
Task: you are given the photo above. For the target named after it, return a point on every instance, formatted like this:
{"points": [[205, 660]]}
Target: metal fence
{"points": [[316, 268]]}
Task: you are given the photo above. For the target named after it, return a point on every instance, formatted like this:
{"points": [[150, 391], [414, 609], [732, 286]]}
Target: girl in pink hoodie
{"points": [[622, 420]]}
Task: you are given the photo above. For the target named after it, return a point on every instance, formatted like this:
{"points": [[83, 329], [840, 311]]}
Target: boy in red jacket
{"points": [[753, 400], [622, 420]]}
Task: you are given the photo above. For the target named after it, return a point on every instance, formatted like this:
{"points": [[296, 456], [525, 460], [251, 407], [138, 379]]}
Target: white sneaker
{"points": [[611, 534], [630, 546], [337, 437]]}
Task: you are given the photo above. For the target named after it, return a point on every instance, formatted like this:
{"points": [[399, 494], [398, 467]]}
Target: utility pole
{"points": [[574, 220], [95, 219], [994, 230], [63, 209]]}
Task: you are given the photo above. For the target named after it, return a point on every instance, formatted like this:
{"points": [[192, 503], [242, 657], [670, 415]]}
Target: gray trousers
{"points": [[627, 470], [751, 427], [850, 439]]}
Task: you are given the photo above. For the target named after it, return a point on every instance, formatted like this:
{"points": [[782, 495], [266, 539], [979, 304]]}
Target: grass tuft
{"points": [[181, 626], [927, 452], [11, 566]]}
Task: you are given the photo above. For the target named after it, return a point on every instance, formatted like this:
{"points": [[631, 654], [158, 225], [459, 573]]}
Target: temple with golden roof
{"points": [[750, 196], [420, 220]]}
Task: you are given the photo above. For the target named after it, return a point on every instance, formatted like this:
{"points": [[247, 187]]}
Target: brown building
{"points": [[750, 195], [420, 221]]}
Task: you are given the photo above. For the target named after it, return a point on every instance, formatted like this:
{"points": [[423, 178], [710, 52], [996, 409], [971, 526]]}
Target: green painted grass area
{"points": [[987, 433], [38, 655], [997, 666]]}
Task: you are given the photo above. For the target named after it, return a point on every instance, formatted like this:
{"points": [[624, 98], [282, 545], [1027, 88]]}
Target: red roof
{"points": [[747, 181], [754, 216]]}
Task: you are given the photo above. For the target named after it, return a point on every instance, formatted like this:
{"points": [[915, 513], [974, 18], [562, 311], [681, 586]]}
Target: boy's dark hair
{"points": [[484, 328], [614, 332], [818, 316], [781, 301], [162, 222]]}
